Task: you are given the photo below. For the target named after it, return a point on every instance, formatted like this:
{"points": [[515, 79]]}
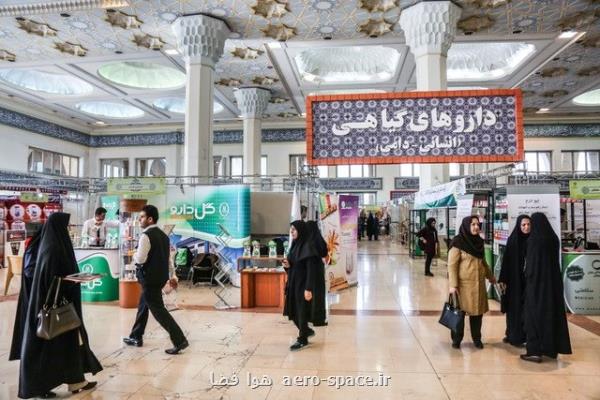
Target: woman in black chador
{"points": [[545, 319], [315, 240], [428, 236], [29, 259], [46, 364], [512, 279], [300, 266]]}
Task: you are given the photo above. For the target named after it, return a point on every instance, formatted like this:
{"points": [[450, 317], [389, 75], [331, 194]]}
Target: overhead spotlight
{"points": [[543, 110], [568, 35], [100, 123]]}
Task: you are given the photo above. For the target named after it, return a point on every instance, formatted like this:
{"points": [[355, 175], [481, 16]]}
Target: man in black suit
{"points": [[152, 261]]}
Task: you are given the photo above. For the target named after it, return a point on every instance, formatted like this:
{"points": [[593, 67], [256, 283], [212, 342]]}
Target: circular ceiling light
{"points": [[142, 75], [591, 98], [110, 109], [349, 64], [46, 82], [177, 105]]}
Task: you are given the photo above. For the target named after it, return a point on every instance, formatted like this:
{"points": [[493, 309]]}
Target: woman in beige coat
{"points": [[467, 271]]}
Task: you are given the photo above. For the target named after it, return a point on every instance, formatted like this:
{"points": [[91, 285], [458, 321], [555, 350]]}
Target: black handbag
{"points": [[58, 318], [452, 315]]}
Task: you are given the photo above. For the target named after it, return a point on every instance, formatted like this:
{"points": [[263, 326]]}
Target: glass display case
{"points": [[129, 236]]}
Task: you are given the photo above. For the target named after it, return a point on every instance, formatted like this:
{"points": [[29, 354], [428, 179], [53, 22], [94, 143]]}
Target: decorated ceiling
{"points": [[79, 40]]}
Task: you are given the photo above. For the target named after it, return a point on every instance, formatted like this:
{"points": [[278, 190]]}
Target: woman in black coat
{"points": [[545, 319], [46, 364], [29, 260], [314, 239], [299, 289], [428, 238], [512, 280]]}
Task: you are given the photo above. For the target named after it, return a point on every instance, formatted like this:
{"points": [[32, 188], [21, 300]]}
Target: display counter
{"points": [[103, 261], [263, 287], [581, 278]]}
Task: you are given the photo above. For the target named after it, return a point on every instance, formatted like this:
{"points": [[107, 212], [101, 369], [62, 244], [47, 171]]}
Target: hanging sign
{"points": [[585, 189], [526, 200], [440, 195], [134, 187], [464, 208], [415, 127]]}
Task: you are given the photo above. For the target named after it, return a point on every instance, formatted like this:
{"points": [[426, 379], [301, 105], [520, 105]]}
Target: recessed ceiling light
{"points": [[109, 109], [591, 98], [568, 35], [177, 105], [142, 75], [46, 82], [99, 123], [543, 110], [172, 52]]}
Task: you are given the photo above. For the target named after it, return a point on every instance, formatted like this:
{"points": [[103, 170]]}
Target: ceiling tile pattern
{"points": [[102, 34]]}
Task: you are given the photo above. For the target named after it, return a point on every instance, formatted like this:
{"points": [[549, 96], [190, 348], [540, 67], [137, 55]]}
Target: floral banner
{"points": [[415, 127]]}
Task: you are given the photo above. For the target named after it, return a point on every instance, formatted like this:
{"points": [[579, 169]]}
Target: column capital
{"points": [[430, 26], [252, 101], [200, 38]]}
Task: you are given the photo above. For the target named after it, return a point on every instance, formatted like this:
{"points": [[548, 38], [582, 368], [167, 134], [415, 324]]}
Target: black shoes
{"points": [[90, 385], [133, 342], [311, 333], [535, 359], [505, 340], [428, 274], [177, 349], [456, 345], [48, 395], [478, 344], [298, 345]]}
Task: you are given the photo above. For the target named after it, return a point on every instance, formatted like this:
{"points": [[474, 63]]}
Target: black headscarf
{"points": [[46, 364], [315, 240], [512, 274], [298, 243], [429, 224], [545, 318], [465, 241]]}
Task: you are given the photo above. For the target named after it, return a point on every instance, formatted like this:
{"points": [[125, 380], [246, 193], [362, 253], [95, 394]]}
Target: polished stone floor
{"points": [[385, 328]]}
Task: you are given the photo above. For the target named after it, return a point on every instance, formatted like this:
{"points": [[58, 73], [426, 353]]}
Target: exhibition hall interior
{"points": [[299, 199]]}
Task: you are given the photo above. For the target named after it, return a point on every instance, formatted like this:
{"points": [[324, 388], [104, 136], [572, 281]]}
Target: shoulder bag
{"points": [[452, 315], [58, 318]]}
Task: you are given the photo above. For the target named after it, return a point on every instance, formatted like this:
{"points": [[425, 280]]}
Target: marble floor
{"points": [[383, 332]]}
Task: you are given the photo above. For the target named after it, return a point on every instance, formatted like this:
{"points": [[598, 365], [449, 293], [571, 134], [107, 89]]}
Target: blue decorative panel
{"points": [[406, 183], [137, 139], [557, 130], [352, 183]]}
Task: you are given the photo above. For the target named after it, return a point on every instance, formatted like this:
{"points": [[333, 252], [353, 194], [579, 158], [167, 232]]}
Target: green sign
{"points": [[111, 203], [30, 197], [136, 187], [581, 281], [103, 289], [201, 211], [585, 189]]}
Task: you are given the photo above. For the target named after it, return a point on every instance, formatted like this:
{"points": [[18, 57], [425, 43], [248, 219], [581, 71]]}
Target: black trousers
{"points": [[475, 322], [428, 259], [301, 322], [151, 301]]}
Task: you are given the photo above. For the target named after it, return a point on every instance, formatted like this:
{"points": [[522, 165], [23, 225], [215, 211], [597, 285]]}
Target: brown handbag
{"points": [[58, 318]]}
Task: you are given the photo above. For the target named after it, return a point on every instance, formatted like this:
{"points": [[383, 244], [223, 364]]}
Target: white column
{"points": [[252, 102], [200, 40], [429, 28]]}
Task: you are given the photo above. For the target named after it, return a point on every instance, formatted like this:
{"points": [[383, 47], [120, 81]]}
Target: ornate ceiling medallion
{"points": [[590, 71], [270, 8], [264, 80], [123, 20], [148, 41], [475, 23], [553, 72], [246, 53], [577, 20], [375, 28], [280, 32], [6, 55], [36, 28], [277, 100], [229, 82], [378, 5], [555, 93], [71, 48]]}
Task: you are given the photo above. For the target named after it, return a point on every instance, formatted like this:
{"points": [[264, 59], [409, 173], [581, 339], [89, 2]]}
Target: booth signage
{"points": [[415, 127], [440, 195], [136, 186], [585, 189], [349, 236], [200, 212], [30, 197], [105, 288], [464, 208], [581, 277], [526, 200]]}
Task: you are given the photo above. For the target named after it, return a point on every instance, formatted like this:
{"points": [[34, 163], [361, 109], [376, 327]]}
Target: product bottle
{"points": [[272, 249], [256, 248]]}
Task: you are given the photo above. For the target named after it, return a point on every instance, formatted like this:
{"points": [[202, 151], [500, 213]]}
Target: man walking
{"points": [[152, 261]]}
